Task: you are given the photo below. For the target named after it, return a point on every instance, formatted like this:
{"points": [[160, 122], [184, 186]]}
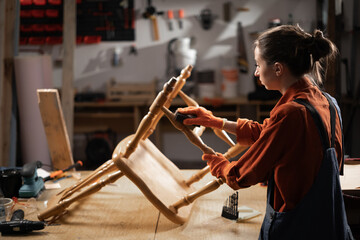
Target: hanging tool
{"points": [[206, 18], [170, 15], [181, 14], [241, 58], [227, 6], [151, 13], [59, 173], [133, 50]]}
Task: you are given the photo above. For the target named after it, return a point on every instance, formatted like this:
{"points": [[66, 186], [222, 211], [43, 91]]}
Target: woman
{"points": [[299, 157]]}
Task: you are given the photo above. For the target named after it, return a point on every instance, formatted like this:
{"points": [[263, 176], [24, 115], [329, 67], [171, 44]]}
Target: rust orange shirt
{"points": [[286, 144]]}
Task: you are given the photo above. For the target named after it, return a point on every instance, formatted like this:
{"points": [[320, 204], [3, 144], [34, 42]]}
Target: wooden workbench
{"points": [[120, 211]]}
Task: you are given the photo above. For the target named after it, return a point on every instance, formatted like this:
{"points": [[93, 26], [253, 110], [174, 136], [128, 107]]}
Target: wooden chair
{"points": [[155, 175]]}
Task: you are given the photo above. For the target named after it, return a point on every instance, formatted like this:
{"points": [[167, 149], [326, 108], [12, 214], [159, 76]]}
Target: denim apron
{"points": [[321, 212]]}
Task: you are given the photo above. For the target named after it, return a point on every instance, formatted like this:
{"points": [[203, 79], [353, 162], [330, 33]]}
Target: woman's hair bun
{"points": [[318, 45]]}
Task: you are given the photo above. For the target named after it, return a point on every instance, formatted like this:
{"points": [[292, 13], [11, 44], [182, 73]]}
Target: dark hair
{"points": [[302, 52]]}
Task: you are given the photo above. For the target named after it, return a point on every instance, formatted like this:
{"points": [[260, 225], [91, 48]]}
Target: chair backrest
{"points": [[156, 176]]}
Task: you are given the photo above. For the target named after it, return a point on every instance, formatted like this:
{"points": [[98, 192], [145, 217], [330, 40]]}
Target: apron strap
{"points": [[333, 103], [332, 106], [319, 123], [332, 119]]}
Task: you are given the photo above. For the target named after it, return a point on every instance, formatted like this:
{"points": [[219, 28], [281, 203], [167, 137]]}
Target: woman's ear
{"points": [[278, 68]]}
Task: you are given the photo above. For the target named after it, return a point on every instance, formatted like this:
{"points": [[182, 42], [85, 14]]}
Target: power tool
{"points": [[33, 184], [17, 224]]}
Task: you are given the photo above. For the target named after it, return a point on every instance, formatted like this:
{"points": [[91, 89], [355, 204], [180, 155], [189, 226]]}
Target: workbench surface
{"points": [[120, 211]]}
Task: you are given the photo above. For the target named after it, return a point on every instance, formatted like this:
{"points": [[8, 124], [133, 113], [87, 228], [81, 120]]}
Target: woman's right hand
{"points": [[203, 117]]}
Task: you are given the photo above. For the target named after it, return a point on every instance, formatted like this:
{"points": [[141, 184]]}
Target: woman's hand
{"points": [[203, 117], [217, 164]]}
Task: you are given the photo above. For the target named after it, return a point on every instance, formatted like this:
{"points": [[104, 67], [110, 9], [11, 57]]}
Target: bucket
{"points": [[10, 182]]}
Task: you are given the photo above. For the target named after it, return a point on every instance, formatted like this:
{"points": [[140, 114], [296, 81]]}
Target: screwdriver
{"points": [[181, 14], [59, 172], [170, 15]]}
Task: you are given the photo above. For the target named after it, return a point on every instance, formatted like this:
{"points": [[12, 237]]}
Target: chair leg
{"points": [[104, 169], [147, 121], [234, 151], [65, 203], [180, 82], [189, 198], [198, 175]]}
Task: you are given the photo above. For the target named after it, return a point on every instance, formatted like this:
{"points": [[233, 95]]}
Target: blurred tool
{"points": [[133, 50], [227, 6], [18, 215], [181, 16], [116, 57], [181, 117], [170, 15], [242, 58], [230, 208], [59, 173], [151, 13], [206, 18], [243, 9], [33, 184], [17, 224]]}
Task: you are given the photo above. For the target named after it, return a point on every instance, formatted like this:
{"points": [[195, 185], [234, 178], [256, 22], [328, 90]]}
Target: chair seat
{"points": [[156, 176]]}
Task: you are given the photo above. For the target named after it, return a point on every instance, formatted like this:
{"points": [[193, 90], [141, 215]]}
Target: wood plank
{"points": [[55, 129], [7, 28], [67, 89]]}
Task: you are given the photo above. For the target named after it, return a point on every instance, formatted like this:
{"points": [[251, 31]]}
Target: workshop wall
{"points": [[94, 63]]}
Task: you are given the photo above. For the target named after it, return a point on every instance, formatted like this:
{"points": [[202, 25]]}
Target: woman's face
{"points": [[265, 72]]}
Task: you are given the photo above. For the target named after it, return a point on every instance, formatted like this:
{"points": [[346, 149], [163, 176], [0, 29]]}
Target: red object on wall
{"points": [[53, 40], [92, 39], [38, 27], [52, 13], [23, 40], [25, 2], [39, 2], [53, 27], [79, 39], [38, 13], [54, 2], [36, 40], [25, 13], [25, 28]]}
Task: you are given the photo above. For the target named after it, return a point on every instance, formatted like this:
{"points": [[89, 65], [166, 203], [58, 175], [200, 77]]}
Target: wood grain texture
{"points": [[7, 51], [120, 211], [55, 129]]}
